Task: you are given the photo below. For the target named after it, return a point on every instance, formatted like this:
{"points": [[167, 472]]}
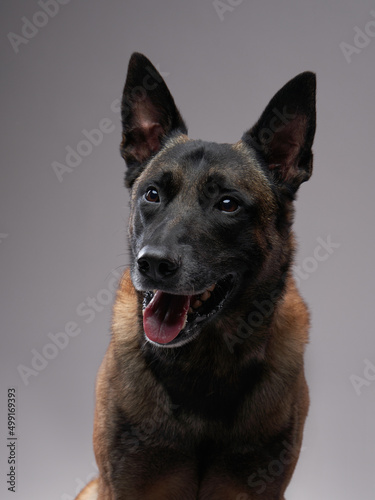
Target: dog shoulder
{"points": [[125, 321], [290, 330]]}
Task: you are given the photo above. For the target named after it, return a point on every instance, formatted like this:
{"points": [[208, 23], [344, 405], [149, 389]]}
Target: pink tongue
{"points": [[165, 316]]}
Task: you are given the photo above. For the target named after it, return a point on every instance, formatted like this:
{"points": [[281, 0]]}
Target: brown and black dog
{"points": [[202, 394]]}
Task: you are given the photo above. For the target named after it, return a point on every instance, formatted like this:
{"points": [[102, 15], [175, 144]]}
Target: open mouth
{"points": [[172, 320]]}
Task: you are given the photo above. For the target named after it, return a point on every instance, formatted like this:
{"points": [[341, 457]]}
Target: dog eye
{"points": [[228, 205], [152, 195]]}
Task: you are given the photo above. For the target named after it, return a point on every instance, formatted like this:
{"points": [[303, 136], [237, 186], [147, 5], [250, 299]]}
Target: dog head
{"points": [[209, 221]]}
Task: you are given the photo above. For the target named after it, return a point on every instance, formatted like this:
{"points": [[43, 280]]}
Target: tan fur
{"points": [[90, 492], [132, 386]]}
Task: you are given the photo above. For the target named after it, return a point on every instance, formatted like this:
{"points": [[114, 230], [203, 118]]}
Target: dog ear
{"points": [[148, 114], [284, 134]]}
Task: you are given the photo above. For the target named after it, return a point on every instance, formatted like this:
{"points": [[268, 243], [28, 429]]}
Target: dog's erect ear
{"points": [[284, 134], [148, 114]]}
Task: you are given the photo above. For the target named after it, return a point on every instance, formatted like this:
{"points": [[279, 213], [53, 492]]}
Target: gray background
{"points": [[60, 241]]}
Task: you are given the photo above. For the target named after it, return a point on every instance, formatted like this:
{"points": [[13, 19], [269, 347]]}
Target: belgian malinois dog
{"points": [[202, 393]]}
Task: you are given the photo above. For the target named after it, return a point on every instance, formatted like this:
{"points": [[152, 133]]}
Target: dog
{"points": [[202, 393]]}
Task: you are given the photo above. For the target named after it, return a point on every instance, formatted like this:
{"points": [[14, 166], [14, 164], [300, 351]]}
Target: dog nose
{"points": [[157, 263]]}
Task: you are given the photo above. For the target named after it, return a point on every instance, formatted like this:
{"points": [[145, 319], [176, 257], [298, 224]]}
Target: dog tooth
{"points": [[206, 295], [190, 310], [197, 304], [211, 288], [185, 321]]}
